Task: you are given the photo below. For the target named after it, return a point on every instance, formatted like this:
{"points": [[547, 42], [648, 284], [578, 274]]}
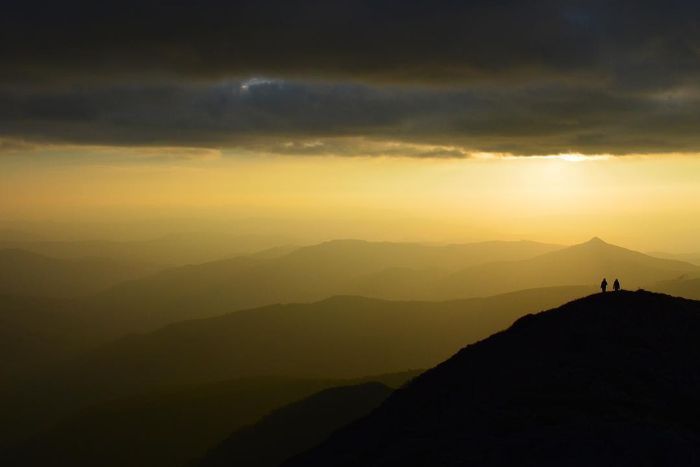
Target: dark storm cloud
{"points": [[283, 117], [502, 76], [440, 41]]}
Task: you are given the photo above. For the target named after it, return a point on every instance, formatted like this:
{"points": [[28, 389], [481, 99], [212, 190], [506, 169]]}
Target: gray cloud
{"points": [[538, 119], [499, 76]]}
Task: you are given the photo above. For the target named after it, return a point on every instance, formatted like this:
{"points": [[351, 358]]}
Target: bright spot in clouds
{"points": [[248, 84]]}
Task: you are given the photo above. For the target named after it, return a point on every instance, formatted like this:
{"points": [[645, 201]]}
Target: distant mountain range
{"points": [[687, 257], [273, 275], [31, 325], [170, 250], [31, 274], [303, 275], [344, 267], [306, 275], [378, 270], [611, 379]]}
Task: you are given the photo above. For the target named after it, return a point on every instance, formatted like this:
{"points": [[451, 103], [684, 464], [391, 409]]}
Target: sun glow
{"points": [[567, 156], [571, 157], [434, 198], [578, 157]]}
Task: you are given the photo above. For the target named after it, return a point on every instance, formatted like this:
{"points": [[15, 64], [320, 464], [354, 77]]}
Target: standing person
{"points": [[616, 285], [604, 285]]}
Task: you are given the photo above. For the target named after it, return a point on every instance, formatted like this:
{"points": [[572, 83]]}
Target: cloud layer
{"points": [[517, 77]]}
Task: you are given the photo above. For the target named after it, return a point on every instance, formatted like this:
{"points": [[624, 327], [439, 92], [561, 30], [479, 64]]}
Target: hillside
{"points": [[295, 428], [26, 273], [610, 379], [341, 337]]}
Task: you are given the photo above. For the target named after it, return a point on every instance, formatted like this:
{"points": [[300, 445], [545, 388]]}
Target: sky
{"points": [[407, 120]]}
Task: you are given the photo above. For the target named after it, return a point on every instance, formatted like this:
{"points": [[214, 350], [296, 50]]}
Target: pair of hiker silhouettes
{"points": [[604, 285]]}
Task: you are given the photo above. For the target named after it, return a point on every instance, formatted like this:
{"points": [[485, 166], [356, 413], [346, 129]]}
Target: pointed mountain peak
{"points": [[596, 241], [594, 244]]}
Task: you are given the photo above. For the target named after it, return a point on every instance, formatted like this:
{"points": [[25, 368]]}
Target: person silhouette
{"points": [[616, 285], [604, 285]]}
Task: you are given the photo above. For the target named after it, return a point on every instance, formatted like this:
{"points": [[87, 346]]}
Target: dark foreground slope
{"points": [[606, 380], [296, 427]]}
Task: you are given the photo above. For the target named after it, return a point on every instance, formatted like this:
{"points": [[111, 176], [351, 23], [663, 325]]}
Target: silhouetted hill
{"points": [[169, 426], [306, 274], [610, 379], [340, 337], [297, 427], [586, 263], [26, 273]]}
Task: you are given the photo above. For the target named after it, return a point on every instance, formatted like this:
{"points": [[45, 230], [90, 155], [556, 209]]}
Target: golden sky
{"points": [[382, 119], [649, 202]]}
